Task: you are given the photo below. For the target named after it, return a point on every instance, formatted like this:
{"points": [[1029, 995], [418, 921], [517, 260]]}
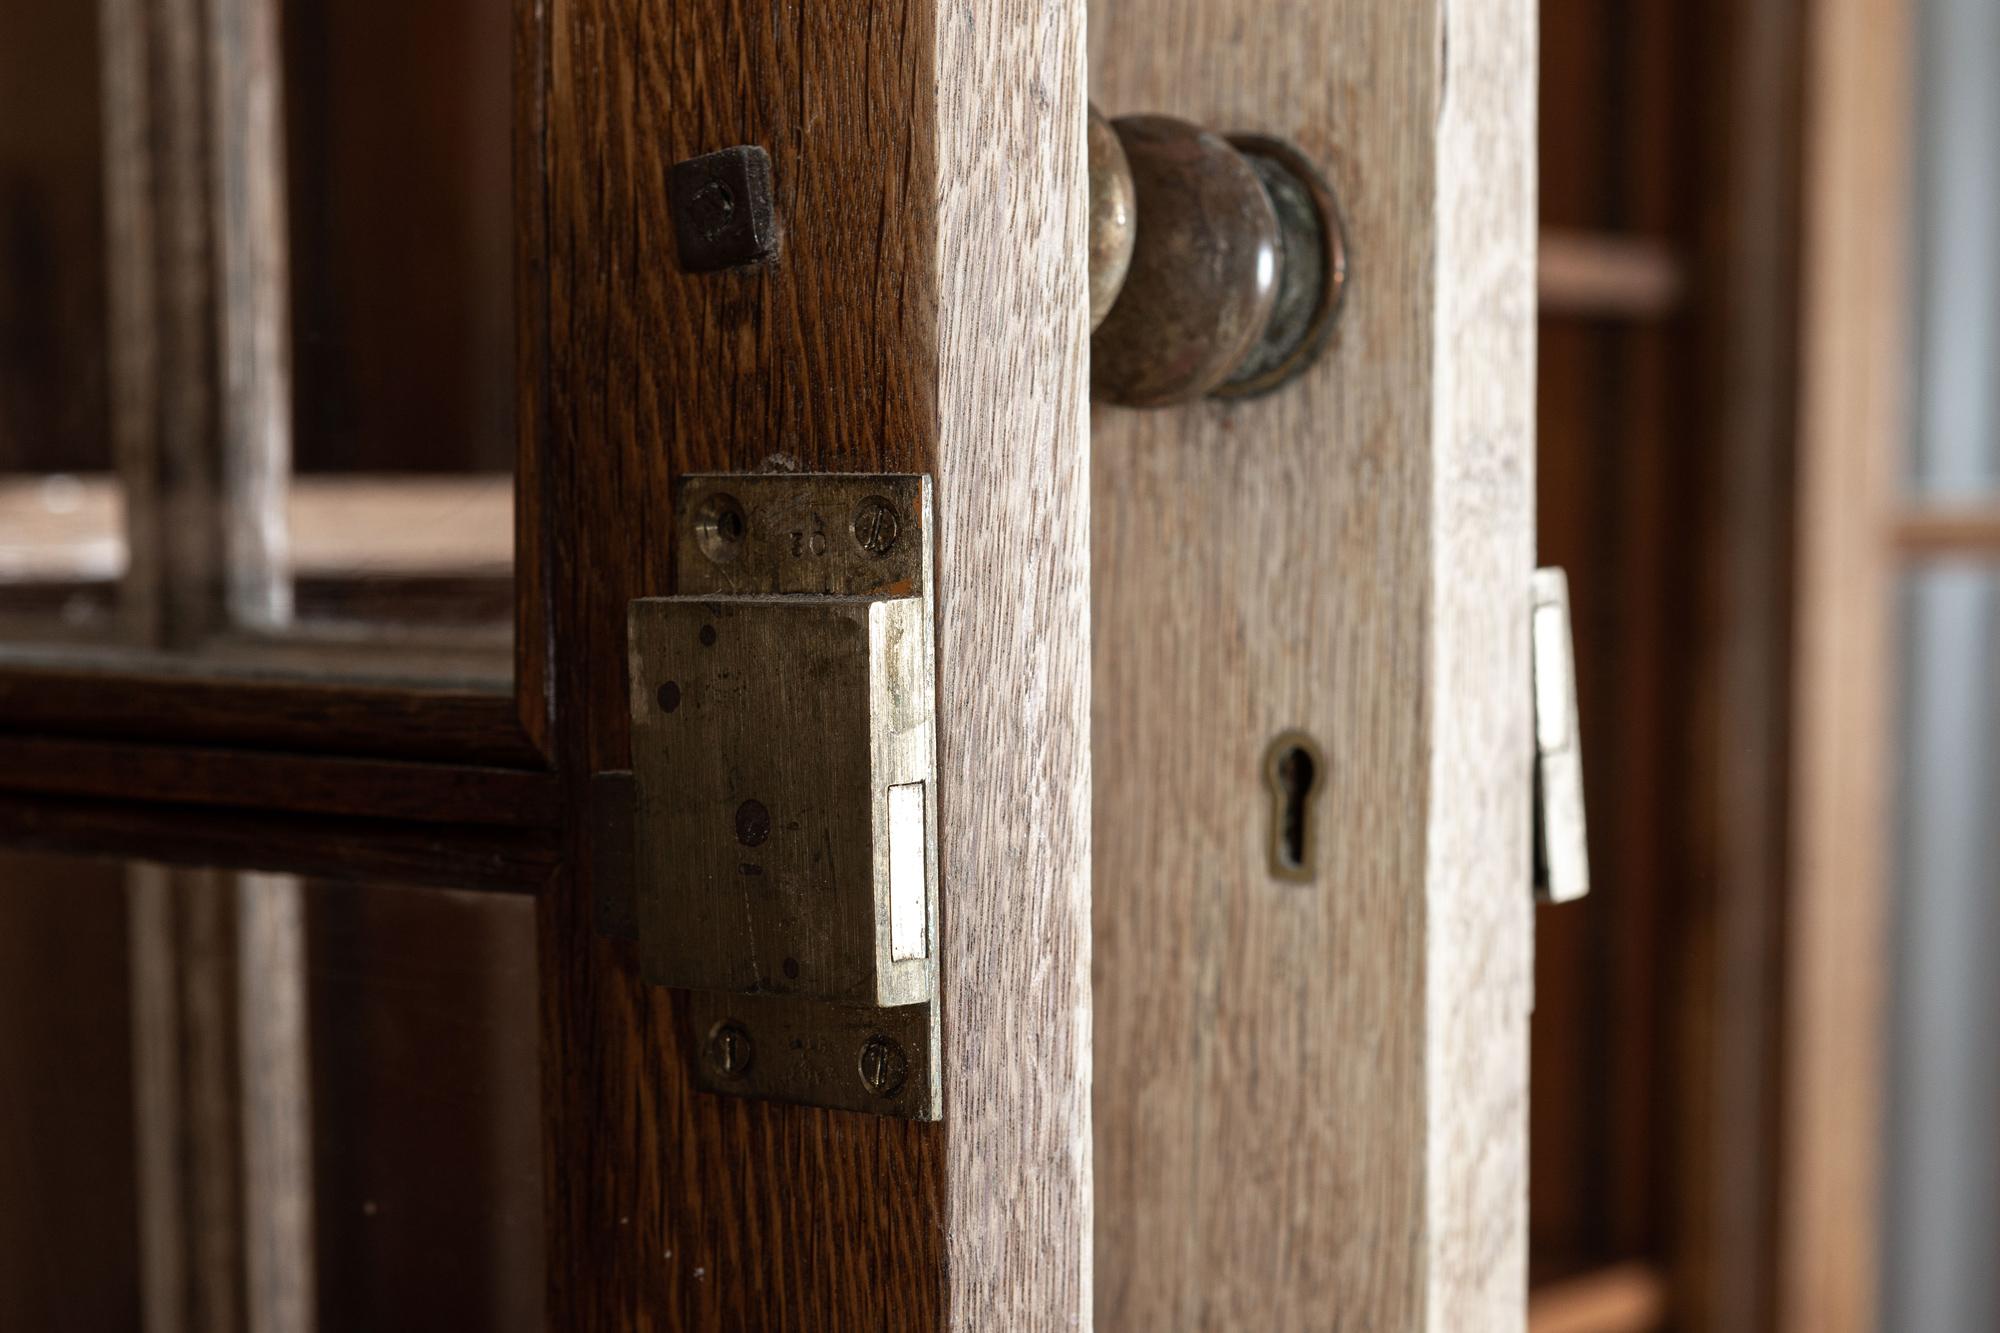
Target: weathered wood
{"points": [[1310, 1099], [1014, 673], [927, 313]]}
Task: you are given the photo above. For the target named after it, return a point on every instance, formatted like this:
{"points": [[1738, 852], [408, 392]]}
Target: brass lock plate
{"points": [[784, 763]]}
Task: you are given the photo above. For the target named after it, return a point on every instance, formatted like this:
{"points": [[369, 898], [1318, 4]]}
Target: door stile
{"points": [[1311, 1096], [925, 313]]}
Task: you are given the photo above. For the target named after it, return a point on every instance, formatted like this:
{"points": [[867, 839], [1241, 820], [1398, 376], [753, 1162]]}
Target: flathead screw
{"points": [[729, 1049], [884, 1066], [875, 525]]}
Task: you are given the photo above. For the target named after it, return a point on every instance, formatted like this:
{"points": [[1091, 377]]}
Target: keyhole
{"points": [[1292, 768]]}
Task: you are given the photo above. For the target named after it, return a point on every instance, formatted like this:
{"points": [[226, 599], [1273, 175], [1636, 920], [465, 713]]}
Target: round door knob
{"points": [[1220, 262]]}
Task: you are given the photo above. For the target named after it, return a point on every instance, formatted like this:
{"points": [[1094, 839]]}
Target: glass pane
{"points": [[276, 266], [265, 1103], [1956, 447], [61, 526], [1943, 1086], [426, 1098], [69, 1254], [402, 317]]}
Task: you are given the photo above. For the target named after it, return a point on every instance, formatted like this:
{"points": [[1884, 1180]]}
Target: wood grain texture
{"points": [[1311, 1099], [926, 313], [1479, 973], [1014, 671], [1854, 317]]}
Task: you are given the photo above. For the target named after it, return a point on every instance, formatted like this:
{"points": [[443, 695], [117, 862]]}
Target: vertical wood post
{"points": [[926, 313], [1311, 1098]]}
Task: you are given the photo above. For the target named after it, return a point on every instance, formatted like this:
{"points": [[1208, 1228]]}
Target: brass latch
{"points": [[783, 792]]}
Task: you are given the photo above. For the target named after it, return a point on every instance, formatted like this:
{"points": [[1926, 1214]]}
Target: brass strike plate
{"points": [[784, 762]]}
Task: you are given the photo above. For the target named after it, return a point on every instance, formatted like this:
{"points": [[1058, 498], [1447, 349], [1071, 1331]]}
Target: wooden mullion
{"points": [[1940, 529], [478, 857], [1854, 320], [285, 782], [413, 722], [536, 537], [1606, 276], [248, 229], [189, 1113]]}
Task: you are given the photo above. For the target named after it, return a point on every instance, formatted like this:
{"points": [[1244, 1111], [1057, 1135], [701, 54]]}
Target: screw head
{"points": [[884, 1066], [875, 526], [729, 1050], [720, 527]]}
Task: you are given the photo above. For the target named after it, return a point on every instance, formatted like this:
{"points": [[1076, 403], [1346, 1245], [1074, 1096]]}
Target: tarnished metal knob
{"points": [[1216, 264], [1112, 220]]}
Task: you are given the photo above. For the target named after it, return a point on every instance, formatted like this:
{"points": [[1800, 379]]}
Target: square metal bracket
{"points": [[784, 775]]}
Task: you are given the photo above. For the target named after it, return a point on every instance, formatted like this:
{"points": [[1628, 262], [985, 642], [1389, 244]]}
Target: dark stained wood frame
{"points": [[927, 313]]}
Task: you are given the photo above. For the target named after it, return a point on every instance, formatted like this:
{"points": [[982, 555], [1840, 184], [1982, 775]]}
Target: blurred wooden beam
{"points": [[1624, 1298], [1600, 275], [1935, 529], [60, 527]]}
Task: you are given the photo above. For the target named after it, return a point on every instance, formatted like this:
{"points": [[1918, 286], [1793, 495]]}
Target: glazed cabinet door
{"points": [[1229, 698], [664, 765]]}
